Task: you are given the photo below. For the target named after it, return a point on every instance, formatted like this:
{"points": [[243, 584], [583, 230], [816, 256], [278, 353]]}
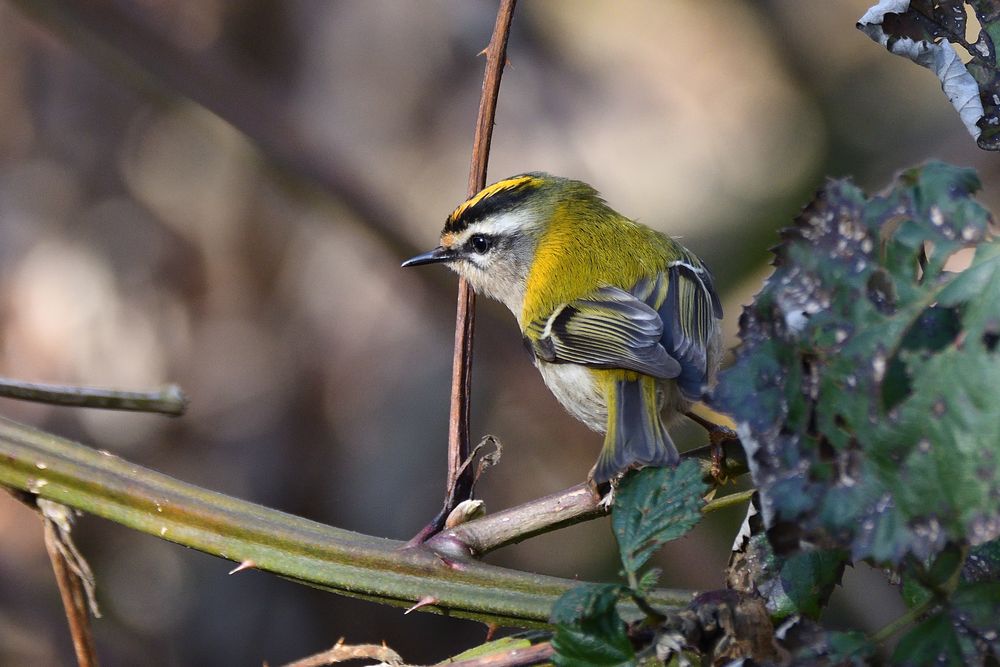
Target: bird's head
{"points": [[490, 239]]}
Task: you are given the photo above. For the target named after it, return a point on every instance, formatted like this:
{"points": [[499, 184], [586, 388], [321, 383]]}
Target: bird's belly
{"points": [[578, 391]]}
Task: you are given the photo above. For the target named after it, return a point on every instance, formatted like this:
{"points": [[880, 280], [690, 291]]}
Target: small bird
{"points": [[621, 320]]}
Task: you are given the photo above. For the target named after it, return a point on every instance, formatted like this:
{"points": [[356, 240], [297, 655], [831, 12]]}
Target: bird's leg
{"points": [[608, 501], [717, 435], [603, 493]]}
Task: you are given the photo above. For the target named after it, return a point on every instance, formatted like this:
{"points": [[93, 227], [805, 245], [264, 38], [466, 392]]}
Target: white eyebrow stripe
{"points": [[500, 224]]}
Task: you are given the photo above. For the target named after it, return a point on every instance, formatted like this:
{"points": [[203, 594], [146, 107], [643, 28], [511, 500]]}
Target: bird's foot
{"points": [[718, 435], [603, 493], [608, 500]]}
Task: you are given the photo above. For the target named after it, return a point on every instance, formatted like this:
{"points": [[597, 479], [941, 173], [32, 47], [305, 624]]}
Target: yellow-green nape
{"points": [[492, 198]]}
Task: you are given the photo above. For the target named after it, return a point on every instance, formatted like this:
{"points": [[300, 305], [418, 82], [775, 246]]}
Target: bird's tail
{"points": [[636, 435]]}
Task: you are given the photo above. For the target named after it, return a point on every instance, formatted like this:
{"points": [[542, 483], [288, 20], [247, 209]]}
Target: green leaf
{"points": [[982, 563], [921, 580], [914, 594], [849, 648], [798, 584], [649, 579], [578, 648], [652, 507], [589, 630], [967, 625], [582, 603], [809, 577], [973, 612], [933, 642], [810, 644], [864, 387]]}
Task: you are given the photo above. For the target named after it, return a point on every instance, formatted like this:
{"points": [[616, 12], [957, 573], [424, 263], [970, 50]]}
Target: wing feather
{"points": [[610, 328], [690, 311], [666, 326]]}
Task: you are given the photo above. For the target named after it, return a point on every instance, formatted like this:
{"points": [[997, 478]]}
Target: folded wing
{"points": [[609, 328], [666, 326]]}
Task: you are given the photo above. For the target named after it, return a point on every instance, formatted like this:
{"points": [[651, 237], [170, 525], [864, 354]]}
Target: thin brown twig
{"points": [[558, 510], [459, 481], [168, 400], [72, 590], [459, 445]]}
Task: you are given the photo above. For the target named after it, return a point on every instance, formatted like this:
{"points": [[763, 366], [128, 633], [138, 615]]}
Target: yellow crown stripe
{"points": [[490, 190]]}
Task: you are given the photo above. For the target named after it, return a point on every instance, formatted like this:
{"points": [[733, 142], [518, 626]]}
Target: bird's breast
{"points": [[579, 390]]}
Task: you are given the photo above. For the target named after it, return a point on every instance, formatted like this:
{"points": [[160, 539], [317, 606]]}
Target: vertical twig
{"points": [[460, 482], [73, 575], [459, 446], [74, 600]]}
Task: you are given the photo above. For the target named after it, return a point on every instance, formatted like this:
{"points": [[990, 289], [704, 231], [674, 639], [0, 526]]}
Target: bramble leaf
{"points": [[809, 644], [578, 648], [800, 583], [586, 601], [589, 630], [965, 632], [865, 384], [933, 642], [983, 563], [652, 507]]}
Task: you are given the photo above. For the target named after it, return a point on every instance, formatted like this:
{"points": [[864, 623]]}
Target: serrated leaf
{"points": [[964, 632], [809, 577], [652, 507], [864, 386], [808, 643], [973, 613], [849, 648], [932, 642], [584, 602], [589, 629], [914, 594], [578, 648], [649, 579], [797, 584]]}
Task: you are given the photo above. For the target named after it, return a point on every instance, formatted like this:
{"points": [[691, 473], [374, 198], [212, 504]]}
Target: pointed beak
{"points": [[439, 254]]}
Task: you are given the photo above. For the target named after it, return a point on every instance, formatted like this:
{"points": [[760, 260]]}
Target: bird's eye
{"points": [[480, 243]]}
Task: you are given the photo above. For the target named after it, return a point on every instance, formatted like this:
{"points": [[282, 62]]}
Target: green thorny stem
{"points": [[334, 559]]}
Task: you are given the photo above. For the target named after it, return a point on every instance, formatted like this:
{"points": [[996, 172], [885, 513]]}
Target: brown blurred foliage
{"points": [[227, 205]]}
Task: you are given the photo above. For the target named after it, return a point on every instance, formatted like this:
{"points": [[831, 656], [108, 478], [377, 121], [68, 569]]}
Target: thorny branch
{"points": [[460, 483], [565, 508]]}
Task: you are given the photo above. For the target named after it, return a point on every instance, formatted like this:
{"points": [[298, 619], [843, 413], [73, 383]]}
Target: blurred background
{"points": [[219, 193]]}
